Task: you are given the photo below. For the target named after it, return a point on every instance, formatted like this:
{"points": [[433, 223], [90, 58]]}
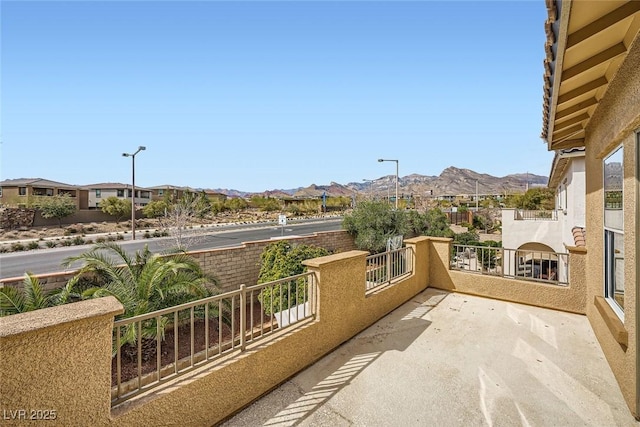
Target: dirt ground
{"points": [[87, 229]]}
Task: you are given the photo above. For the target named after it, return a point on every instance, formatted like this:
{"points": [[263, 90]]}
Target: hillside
{"points": [[451, 181]]}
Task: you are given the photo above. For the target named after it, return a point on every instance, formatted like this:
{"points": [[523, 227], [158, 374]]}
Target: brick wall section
{"points": [[232, 266], [241, 265]]}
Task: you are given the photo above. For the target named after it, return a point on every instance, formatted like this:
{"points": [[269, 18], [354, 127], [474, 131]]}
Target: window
{"points": [[0, 191], [49, 191], [120, 193], [129, 193], [160, 192], [22, 191], [98, 193], [614, 231], [144, 194]]}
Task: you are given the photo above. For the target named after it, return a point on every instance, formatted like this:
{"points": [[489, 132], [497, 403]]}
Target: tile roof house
{"points": [[101, 191], [19, 192]]}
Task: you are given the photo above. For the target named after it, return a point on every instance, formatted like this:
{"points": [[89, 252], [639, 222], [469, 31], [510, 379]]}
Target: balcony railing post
{"points": [[388, 278], [243, 315]]}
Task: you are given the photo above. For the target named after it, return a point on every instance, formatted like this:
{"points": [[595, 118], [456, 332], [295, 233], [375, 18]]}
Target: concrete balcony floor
{"points": [[449, 359]]}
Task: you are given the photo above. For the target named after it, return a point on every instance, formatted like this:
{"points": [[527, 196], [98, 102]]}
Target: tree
{"points": [[236, 204], [58, 207], [117, 208], [144, 282], [437, 224], [372, 223], [533, 199], [156, 208], [180, 215]]}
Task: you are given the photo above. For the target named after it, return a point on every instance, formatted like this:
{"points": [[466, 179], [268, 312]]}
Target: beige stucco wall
{"points": [[73, 375], [58, 361], [566, 298], [614, 123]]}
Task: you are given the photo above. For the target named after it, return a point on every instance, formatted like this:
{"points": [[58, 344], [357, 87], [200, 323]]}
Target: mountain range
{"points": [[451, 181]]}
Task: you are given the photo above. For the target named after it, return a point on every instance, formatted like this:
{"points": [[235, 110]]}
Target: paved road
{"points": [[49, 260]]}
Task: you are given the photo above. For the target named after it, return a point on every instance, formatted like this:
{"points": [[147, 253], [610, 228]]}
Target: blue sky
{"points": [[263, 95]]}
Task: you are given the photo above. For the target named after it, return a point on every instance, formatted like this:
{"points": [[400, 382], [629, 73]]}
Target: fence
{"points": [[387, 266], [148, 348], [526, 215], [548, 267]]}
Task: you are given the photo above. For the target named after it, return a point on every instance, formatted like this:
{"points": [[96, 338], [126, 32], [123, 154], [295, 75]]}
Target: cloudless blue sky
{"points": [[263, 95]]}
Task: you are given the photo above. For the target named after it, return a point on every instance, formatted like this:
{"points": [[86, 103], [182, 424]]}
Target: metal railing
{"points": [[539, 266], [527, 215], [385, 267], [148, 350]]}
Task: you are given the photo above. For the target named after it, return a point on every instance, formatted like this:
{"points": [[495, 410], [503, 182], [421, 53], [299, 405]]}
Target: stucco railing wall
{"points": [[56, 364], [72, 377], [571, 298], [232, 266]]}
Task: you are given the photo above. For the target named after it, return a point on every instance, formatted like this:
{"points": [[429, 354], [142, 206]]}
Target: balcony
{"points": [[523, 226], [453, 359], [415, 351]]}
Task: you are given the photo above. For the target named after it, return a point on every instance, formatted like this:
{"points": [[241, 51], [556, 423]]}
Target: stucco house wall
{"points": [[615, 123]]}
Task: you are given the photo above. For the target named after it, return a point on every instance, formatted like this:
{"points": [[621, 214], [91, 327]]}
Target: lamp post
{"points": [[397, 167], [370, 181], [476, 195], [133, 188]]}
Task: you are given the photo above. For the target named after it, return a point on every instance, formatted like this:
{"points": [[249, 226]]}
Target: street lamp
{"points": [[133, 188], [370, 181], [397, 167], [476, 195]]}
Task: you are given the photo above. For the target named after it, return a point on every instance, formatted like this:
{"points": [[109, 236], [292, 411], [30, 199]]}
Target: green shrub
{"points": [[17, 247], [33, 245], [78, 240], [372, 223], [50, 244], [280, 260], [66, 242], [100, 239]]}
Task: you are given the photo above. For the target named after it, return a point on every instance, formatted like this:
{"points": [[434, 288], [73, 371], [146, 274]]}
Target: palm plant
{"points": [[32, 296], [143, 283]]}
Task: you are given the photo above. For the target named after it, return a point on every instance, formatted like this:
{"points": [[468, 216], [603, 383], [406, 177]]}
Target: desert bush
{"points": [[33, 245], [17, 247], [50, 244]]}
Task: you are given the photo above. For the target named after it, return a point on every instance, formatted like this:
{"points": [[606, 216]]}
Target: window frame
{"points": [[610, 234]]}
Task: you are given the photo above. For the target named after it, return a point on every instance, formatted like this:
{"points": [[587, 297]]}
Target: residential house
{"points": [[170, 192], [592, 100], [173, 193], [554, 230], [102, 191], [20, 192]]}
